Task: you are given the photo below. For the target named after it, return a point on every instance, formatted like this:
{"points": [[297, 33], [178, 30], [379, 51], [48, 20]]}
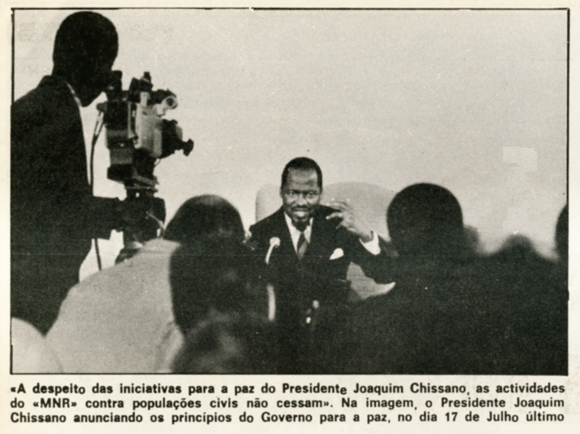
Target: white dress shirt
{"points": [[372, 246], [74, 94]]}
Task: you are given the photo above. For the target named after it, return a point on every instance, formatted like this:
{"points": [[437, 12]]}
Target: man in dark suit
{"points": [[53, 212], [307, 248]]}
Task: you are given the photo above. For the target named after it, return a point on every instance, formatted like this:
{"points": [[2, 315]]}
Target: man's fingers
{"points": [[341, 205], [334, 215]]}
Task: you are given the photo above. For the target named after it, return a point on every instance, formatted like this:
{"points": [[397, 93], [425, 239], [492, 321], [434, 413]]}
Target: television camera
{"points": [[137, 137]]}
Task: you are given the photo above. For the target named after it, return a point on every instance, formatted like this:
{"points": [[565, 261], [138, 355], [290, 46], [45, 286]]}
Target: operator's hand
{"points": [[350, 220], [131, 212]]}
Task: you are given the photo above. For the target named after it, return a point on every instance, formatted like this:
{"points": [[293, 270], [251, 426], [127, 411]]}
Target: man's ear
{"points": [[281, 193]]}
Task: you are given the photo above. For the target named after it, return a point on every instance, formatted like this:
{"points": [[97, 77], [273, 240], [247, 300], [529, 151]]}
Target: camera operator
{"points": [[54, 215]]}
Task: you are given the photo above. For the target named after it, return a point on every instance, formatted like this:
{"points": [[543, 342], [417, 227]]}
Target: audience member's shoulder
{"points": [[152, 258], [518, 259], [159, 246], [30, 351]]}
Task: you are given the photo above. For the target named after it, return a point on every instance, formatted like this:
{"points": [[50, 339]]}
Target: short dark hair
{"points": [[84, 40], [302, 163], [215, 275], [205, 216], [426, 219]]}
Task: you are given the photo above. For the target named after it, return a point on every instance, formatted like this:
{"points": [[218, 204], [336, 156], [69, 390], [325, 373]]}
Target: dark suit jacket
{"points": [[316, 276], [53, 213]]}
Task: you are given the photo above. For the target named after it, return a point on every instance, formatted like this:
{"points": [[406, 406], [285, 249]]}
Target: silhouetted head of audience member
{"points": [[229, 344], [221, 276], [205, 217], [562, 235], [524, 296], [85, 48], [426, 220], [517, 249]]}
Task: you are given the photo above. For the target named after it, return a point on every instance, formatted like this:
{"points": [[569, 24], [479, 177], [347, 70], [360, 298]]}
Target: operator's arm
{"points": [[50, 190]]}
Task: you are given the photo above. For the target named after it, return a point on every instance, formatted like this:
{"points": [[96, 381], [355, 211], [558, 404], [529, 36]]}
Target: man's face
{"points": [[94, 82], [301, 195]]}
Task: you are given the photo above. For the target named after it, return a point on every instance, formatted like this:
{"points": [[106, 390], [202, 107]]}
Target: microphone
{"points": [[274, 242], [271, 302]]}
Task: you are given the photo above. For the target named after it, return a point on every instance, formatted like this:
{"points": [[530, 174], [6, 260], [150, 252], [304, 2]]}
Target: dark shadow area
{"points": [[453, 311]]}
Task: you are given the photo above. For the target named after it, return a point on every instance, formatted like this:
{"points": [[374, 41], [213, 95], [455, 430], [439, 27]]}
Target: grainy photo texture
{"points": [[290, 191]]}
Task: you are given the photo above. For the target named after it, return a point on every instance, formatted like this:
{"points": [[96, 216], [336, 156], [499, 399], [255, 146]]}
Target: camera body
{"points": [[137, 135]]}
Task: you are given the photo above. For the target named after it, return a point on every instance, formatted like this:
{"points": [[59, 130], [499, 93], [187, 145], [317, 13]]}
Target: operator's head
{"points": [[205, 217], [301, 189], [426, 220], [85, 48]]}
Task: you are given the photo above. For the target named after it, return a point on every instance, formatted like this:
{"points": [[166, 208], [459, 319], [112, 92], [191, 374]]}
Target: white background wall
{"points": [[472, 100]]}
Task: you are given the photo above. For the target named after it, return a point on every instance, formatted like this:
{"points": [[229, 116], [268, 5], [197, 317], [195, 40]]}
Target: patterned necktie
{"points": [[302, 246]]}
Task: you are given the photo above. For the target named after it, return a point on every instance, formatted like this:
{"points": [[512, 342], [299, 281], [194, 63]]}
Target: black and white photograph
{"points": [[168, 210], [308, 193]]}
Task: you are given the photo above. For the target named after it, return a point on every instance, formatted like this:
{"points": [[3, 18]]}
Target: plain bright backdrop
{"points": [[475, 101]]}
